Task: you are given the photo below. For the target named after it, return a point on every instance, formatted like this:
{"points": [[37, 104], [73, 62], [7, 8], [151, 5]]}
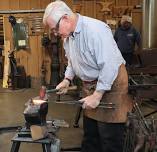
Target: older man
{"points": [[126, 37], [94, 57]]}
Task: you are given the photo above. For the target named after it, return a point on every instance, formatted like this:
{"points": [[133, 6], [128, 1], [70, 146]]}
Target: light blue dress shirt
{"points": [[92, 53]]}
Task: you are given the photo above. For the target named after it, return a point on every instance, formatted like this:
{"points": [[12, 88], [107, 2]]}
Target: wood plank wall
{"points": [[95, 8], [23, 4], [32, 58]]}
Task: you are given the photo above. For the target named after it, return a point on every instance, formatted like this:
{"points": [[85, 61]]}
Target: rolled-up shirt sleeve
{"points": [[107, 57]]}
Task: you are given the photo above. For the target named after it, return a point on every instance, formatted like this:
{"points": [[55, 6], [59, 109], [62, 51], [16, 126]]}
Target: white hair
{"points": [[56, 9]]}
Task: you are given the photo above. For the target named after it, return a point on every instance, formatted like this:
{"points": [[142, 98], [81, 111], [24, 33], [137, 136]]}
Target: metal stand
{"points": [[46, 143]]}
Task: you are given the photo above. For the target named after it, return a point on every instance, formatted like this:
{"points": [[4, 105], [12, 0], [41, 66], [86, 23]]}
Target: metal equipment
{"points": [[49, 144], [141, 133], [35, 114], [79, 103]]}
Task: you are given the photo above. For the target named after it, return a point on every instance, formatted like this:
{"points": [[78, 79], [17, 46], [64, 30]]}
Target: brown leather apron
{"points": [[118, 95]]}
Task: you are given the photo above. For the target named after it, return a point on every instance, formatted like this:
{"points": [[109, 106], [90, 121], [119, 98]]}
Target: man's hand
{"points": [[92, 101], [63, 87]]}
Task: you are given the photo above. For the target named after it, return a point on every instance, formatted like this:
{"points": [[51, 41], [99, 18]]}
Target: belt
{"points": [[90, 82]]}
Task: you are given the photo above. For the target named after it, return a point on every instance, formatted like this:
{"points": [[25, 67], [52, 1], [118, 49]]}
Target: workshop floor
{"points": [[11, 114]]}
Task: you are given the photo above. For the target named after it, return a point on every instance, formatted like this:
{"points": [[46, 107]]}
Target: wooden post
{"points": [[6, 64]]}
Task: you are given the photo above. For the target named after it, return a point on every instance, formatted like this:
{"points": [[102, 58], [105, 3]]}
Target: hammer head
{"points": [[42, 92]]}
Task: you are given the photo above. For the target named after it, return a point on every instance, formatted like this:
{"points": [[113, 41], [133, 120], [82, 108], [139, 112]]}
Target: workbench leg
{"points": [[46, 147], [15, 146]]}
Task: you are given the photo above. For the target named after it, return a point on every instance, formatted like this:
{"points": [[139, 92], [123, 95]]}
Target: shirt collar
{"points": [[78, 25]]}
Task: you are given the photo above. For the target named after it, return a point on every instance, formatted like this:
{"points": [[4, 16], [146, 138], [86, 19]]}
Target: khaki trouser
{"points": [[118, 95]]}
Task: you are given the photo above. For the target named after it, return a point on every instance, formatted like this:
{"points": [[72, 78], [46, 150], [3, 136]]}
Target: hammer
{"points": [[56, 90], [44, 91]]}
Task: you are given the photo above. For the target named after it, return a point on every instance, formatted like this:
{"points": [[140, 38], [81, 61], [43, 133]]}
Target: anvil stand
{"points": [[24, 135]]}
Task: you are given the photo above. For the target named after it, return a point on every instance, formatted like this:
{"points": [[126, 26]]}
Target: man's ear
{"points": [[66, 17]]}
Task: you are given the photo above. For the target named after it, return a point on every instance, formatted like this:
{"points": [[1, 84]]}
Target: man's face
{"points": [[126, 25], [62, 28]]}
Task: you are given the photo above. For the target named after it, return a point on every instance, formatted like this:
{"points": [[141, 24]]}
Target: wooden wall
{"points": [[23, 4], [110, 9], [33, 58]]}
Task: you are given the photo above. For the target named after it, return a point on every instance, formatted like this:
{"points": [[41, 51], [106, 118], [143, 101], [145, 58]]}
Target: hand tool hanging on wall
{"points": [[45, 40], [43, 74], [35, 24], [12, 20], [20, 33], [55, 46], [1, 32], [13, 71]]}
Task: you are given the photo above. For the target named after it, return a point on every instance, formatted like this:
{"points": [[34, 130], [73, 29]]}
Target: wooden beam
{"points": [[6, 64]]}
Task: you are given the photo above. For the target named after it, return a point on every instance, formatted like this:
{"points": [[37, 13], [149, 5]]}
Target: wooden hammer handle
{"points": [[55, 90]]}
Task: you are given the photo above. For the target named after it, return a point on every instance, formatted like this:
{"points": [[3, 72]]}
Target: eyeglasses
{"points": [[56, 29]]}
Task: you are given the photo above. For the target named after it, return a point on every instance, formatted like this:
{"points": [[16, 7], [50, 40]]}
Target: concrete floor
{"points": [[11, 114]]}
